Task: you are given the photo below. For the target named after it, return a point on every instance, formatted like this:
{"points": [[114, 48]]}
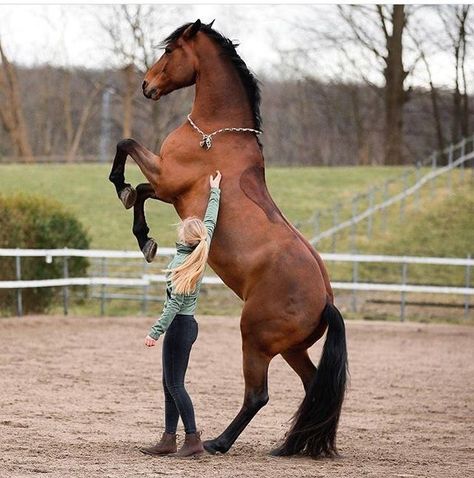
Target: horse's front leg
{"points": [[146, 160], [256, 396], [140, 228]]}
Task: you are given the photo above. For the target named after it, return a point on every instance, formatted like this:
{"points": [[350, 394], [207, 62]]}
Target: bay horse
{"points": [[288, 300]]}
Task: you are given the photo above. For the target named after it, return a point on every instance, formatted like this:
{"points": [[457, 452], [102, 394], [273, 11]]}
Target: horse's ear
{"points": [[212, 23], [192, 30]]}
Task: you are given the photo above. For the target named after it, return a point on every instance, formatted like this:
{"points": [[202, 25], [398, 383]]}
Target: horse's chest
{"points": [[176, 149]]}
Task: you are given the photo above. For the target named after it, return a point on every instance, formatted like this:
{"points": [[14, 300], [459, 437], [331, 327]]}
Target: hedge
{"points": [[35, 222]]}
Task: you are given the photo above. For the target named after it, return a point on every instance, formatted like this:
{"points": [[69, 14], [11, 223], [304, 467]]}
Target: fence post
{"points": [[384, 210], [355, 278], [467, 284], [317, 222], [417, 192], [402, 202], [472, 159], [102, 287], [145, 291], [369, 218], [19, 294], [354, 226], [335, 222], [433, 167], [449, 176], [463, 153], [65, 288], [403, 294]]}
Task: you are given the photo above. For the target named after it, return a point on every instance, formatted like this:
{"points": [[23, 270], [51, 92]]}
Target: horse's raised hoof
{"points": [[149, 250], [128, 196], [212, 447]]}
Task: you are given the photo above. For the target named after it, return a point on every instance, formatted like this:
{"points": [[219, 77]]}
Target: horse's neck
{"points": [[220, 99]]}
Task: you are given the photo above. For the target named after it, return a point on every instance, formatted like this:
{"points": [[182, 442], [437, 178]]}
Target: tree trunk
{"points": [[395, 95], [86, 112], [11, 113], [67, 93], [464, 126], [455, 129], [129, 89]]}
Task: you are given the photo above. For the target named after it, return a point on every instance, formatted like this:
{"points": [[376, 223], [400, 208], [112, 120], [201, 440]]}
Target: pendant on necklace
{"points": [[206, 142]]}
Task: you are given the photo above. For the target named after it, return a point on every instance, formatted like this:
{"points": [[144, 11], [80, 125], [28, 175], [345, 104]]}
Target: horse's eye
{"points": [[168, 50]]}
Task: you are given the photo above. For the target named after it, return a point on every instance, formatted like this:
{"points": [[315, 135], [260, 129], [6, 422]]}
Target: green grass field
{"points": [[85, 190], [442, 225]]}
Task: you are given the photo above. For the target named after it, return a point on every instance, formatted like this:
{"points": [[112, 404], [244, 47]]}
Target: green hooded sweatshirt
{"points": [[185, 303]]}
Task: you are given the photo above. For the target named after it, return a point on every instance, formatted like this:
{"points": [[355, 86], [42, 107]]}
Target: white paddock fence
{"points": [[457, 156], [141, 279]]}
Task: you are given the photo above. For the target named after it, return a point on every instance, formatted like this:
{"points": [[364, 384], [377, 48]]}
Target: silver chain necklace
{"points": [[206, 142]]}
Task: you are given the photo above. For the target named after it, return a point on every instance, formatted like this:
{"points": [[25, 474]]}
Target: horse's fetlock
{"points": [[142, 187], [257, 402], [262, 401], [140, 230]]}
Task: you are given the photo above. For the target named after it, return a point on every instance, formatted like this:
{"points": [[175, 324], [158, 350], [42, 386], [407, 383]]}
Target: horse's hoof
{"points": [[149, 250], [276, 452], [128, 196], [212, 447]]}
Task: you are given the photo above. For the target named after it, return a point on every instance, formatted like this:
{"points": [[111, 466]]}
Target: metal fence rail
{"points": [[141, 279], [457, 156]]}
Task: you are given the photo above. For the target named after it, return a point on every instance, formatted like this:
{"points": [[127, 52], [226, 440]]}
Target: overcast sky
{"points": [[71, 35]]}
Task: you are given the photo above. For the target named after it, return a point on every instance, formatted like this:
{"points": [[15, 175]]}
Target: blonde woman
{"points": [[184, 275]]}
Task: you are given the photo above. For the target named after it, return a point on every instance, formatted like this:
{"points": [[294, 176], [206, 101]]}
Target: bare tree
{"points": [[87, 110], [458, 29], [420, 38], [135, 33], [11, 112], [129, 81], [379, 29]]}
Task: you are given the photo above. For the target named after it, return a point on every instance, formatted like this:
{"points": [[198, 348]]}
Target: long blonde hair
{"points": [[185, 277]]}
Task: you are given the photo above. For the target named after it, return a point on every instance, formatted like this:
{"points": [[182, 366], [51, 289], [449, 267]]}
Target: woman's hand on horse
{"points": [[215, 182], [149, 342]]}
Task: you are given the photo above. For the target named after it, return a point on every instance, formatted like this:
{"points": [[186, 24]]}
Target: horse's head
{"points": [[177, 66]]}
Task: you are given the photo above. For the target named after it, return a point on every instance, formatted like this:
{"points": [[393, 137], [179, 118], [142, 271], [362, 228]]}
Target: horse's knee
{"points": [[125, 144]]}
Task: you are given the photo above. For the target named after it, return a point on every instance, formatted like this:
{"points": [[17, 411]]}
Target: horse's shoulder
{"points": [[252, 183]]}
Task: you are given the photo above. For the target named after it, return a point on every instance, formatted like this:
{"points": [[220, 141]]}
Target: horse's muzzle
{"points": [[152, 94]]}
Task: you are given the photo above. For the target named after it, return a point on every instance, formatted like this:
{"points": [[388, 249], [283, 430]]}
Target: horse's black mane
{"points": [[249, 81]]}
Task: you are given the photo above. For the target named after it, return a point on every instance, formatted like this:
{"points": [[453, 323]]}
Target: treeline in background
{"points": [[375, 102]]}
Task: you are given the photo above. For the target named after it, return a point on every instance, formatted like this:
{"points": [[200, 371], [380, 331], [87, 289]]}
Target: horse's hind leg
{"points": [[140, 228], [301, 363], [146, 160], [256, 396]]}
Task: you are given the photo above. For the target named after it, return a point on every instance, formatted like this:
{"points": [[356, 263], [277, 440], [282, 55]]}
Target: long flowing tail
{"points": [[314, 426]]}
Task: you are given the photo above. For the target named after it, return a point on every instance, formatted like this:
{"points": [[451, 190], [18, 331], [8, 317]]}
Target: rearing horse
{"points": [[288, 300]]}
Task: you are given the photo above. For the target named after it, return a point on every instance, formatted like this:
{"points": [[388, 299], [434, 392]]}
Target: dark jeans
{"points": [[177, 344]]}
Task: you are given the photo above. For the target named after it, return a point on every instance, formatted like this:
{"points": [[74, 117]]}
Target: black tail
{"points": [[314, 426]]}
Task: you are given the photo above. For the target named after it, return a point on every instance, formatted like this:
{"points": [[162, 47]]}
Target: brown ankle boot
{"points": [[165, 446], [192, 446]]}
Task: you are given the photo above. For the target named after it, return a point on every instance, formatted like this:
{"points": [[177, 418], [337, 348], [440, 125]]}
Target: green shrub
{"points": [[35, 222]]}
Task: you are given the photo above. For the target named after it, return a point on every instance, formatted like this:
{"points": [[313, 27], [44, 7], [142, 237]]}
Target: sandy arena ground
{"points": [[79, 395]]}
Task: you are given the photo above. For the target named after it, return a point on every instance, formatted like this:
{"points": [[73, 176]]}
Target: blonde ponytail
{"points": [[185, 277]]}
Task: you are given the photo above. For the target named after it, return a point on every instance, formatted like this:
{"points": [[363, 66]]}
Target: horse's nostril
{"points": [[144, 85]]}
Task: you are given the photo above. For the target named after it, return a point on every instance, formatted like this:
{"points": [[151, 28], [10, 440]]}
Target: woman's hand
{"points": [[149, 342], [215, 182]]}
